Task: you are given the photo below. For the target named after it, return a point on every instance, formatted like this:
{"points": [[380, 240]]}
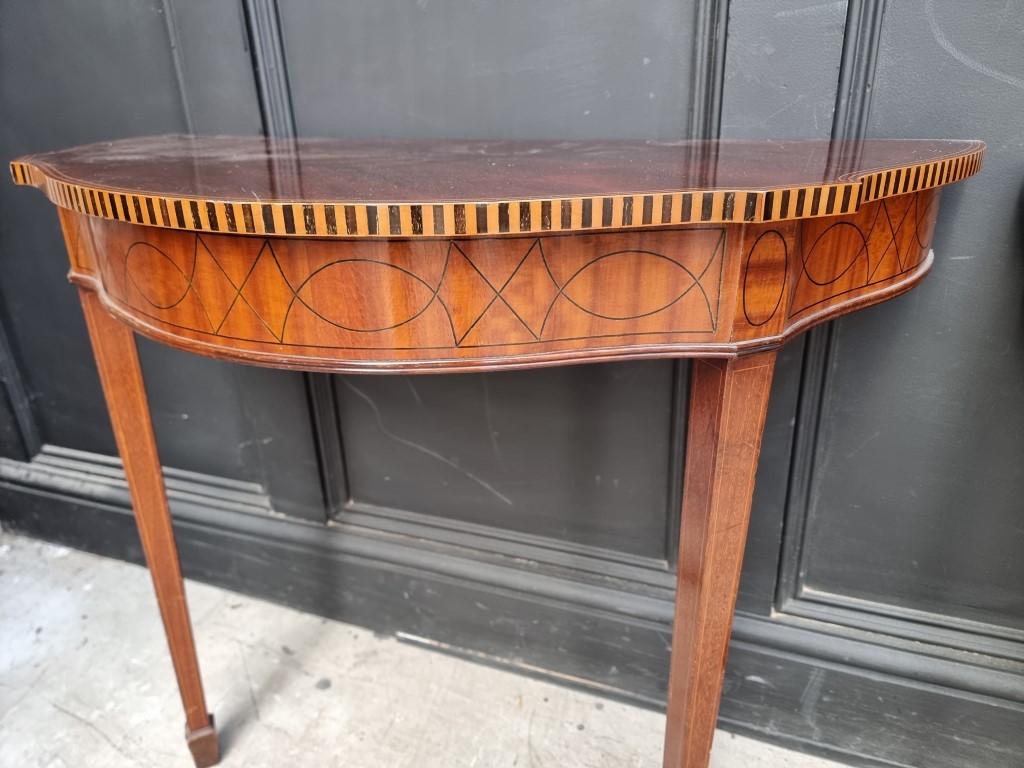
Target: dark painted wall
{"points": [[532, 516]]}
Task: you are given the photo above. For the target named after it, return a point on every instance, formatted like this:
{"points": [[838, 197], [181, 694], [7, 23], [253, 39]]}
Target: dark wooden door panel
{"points": [[916, 499], [529, 69], [782, 63], [579, 453]]}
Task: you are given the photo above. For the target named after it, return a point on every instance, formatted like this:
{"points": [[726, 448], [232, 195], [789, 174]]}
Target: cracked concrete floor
{"points": [[86, 682]]}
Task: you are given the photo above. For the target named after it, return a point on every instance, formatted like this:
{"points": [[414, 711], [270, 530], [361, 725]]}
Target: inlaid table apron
{"points": [[415, 257]]}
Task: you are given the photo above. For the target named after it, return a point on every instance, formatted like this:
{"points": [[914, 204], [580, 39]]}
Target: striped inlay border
{"points": [[447, 219], [913, 178]]}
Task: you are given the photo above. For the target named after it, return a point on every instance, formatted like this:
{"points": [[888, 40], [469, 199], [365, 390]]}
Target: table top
{"points": [[336, 188]]}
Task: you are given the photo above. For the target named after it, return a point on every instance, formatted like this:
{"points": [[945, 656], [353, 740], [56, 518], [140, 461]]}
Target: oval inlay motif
{"points": [[764, 277], [365, 295], [842, 238], [607, 286], [160, 281]]}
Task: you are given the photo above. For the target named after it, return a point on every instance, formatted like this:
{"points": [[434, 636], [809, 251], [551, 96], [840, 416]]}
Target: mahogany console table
{"points": [[406, 257]]}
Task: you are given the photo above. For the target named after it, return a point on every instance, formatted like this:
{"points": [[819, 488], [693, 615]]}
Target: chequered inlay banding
{"points": [[448, 219]]}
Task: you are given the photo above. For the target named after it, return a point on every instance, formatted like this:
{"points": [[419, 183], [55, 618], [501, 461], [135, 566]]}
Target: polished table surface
{"points": [[389, 256], [259, 170]]}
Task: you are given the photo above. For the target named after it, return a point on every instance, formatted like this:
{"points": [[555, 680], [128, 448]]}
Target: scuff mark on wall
{"points": [[963, 58], [815, 10]]}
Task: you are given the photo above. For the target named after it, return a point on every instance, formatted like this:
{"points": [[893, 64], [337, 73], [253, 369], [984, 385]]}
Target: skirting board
{"points": [[791, 682]]}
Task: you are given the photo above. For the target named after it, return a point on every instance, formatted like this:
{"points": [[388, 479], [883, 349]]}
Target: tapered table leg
{"points": [[118, 362], [727, 409]]}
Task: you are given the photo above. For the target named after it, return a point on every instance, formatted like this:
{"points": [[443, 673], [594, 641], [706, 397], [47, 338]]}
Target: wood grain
{"points": [[118, 363], [727, 410], [347, 189], [510, 302]]}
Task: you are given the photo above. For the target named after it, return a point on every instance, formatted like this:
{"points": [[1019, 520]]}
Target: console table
{"points": [[415, 257]]}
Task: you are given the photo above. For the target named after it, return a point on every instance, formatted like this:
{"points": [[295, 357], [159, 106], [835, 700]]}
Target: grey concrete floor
{"points": [[86, 681]]}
